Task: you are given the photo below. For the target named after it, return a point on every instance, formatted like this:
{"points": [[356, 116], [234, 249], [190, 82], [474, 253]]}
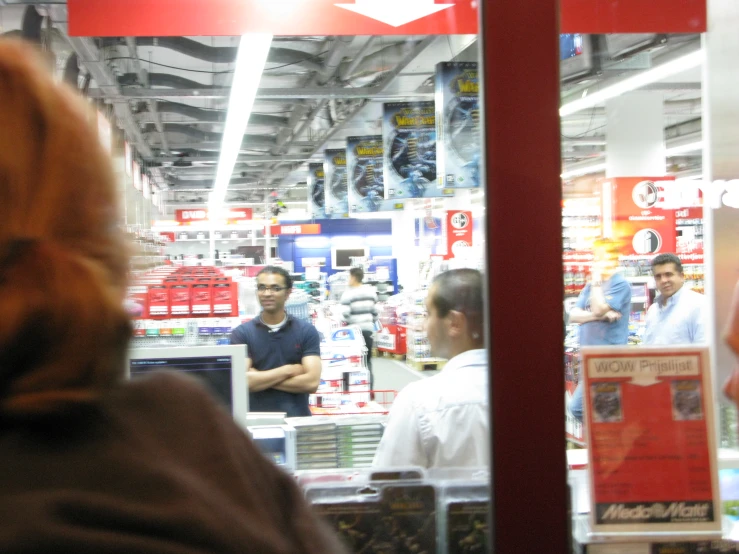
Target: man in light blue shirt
{"points": [[602, 309], [678, 314]]}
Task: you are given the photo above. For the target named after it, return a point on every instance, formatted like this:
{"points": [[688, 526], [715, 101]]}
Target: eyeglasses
{"points": [[273, 288]]}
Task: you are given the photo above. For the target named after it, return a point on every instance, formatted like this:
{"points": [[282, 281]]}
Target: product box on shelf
{"points": [[179, 298], [159, 300], [137, 301], [391, 339], [202, 303], [225, 297], [458, 124]]}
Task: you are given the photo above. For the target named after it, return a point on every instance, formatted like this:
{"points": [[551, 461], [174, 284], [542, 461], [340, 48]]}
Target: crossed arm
{"points": [[600, 310], [295, 378]]}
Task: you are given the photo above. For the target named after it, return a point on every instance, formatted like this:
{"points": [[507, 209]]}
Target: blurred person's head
{"points": [[274, 285], [455, 313], [667, 270], [606, 252], [356, 276], [63, 262]]}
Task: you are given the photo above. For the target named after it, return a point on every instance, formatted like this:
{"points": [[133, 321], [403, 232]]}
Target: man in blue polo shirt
{"points": [[602, 309], [283, 353]]}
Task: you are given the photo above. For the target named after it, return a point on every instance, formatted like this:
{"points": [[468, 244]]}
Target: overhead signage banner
{"points": [[189, 216], [305, 229], [278, 17], [335, 185], [366, 176], [458, 130], [635, 215], [650, 435], [409, 151], [316, 191], [361, 17]]}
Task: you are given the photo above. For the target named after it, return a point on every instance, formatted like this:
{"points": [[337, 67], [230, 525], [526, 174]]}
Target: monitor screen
{"points": [[577, 54], [341, 258], [221, 369], [570, 45], [622, 45]]}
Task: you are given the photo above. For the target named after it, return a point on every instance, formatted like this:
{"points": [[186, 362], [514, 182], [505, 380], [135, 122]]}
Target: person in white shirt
{"points": [[678, 313], [360, 309], [443, 421]]}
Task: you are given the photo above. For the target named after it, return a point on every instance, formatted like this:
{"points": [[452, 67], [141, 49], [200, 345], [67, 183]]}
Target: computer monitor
{"points": [[222, 369], [577, 54]]}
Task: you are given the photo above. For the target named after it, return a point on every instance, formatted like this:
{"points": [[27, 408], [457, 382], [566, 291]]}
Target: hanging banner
{"points": [[456, 234], [458, 124], [650, 435], [361, 17], [409, 131], [366, 179], [335, 185], [316, 191], [635, 217]]}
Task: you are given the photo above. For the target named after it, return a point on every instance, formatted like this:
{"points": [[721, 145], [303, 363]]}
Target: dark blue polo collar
{"points": [[261, 323]]}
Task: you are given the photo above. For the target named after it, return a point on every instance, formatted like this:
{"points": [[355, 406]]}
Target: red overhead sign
{"points": [[307, 229], [278, 17], [235, 214], [361, 17]]}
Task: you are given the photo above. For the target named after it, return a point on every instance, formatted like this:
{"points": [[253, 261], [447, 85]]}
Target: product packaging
{"points": [[202, 296], [225, 297], [458, 124], [179, 298], [335, 187], [158, 300]]}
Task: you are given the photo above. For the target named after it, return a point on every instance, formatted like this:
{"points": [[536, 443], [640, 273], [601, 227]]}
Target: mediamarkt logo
{"points": [[676, 510]]}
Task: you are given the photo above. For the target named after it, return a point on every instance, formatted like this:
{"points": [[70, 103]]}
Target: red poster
{"points": [[650, 434], [456, 233], [635, 216]]}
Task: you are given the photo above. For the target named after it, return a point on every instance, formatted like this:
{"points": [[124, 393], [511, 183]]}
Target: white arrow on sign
{"points": [[645, 380], [395, 12]]}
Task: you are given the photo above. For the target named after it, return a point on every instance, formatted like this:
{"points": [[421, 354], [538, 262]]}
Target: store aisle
{"points": [[394, 375]]}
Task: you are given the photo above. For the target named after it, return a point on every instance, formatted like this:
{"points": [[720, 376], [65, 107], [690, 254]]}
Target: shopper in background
{"points": [[677, 315], [360, 309], [443, 421], [90, 462], [283, 353], [602, 309]]}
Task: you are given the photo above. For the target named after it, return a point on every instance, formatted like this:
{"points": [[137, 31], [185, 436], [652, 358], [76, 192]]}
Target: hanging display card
{"points": [[335, 183], [651, 439], [366, 178], [316, 194]]}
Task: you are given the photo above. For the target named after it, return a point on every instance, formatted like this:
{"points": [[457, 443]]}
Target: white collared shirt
{"points": [[679, 321], [442, 421]]}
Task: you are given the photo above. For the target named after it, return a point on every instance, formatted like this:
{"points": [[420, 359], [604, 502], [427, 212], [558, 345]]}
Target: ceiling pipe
{"points": [[212, 116], [222, 54], [188, 130], [91, 58], [163, 80], [143, 78]]}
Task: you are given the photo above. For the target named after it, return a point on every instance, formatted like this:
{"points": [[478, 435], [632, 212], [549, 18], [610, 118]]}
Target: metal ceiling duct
{"points": [[222, 54], [162, 80], [188, 130], [217, 116]]}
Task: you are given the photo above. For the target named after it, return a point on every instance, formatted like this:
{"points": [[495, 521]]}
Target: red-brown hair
{"points": [[63, 330]]}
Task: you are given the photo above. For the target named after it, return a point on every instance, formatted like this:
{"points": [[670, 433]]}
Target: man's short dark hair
{"points": [[461, 290], [668, 258], [274, 270], [357, 273]]}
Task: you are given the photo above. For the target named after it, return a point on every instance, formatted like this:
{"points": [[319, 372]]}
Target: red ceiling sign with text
{"points": [[361, 17], [234, 214]]}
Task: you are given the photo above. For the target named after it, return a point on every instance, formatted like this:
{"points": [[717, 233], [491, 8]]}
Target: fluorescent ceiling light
{"points": [[668, 69], [250, 60], [595, 168], [684, 149]]}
